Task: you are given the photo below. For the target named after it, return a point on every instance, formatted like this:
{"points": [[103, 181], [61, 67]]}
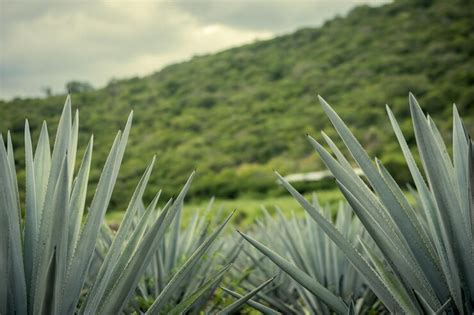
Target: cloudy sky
{"points": [[48, 43]]}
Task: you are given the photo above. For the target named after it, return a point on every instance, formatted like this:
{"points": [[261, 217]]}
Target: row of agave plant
{"points": [[379, 253]]}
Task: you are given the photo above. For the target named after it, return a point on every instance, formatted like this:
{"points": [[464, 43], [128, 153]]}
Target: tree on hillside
{"points": [[78, 87]]}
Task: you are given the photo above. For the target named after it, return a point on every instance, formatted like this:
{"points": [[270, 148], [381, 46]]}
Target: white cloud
{"points": [[50, 43]]}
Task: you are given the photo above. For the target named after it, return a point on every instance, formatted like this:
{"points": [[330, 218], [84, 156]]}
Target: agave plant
{"points": [[175, 247], [425, 259], [46, 254], [305, 245]]}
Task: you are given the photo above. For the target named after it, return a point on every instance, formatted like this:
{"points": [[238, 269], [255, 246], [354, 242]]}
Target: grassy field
{"points": [[248, 208]]}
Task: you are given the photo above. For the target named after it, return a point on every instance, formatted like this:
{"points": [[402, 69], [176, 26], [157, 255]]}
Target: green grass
{"points": [[248, 208]]}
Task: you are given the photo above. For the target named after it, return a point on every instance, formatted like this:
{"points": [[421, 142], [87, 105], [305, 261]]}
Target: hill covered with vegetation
{"points": [[240, 113]]}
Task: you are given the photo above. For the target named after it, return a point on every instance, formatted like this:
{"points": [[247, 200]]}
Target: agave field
{"points": [[375, 252]]}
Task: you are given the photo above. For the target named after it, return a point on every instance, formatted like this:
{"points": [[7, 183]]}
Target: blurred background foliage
{"points": [[240, 113]]}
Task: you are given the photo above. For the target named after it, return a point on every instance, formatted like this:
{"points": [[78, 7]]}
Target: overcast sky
{"points": [[48, 43]]}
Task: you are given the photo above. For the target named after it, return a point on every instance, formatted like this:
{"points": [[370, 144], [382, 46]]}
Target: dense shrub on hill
{"points": [[249, 107]]}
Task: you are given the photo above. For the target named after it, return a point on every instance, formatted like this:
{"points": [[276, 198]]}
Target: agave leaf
{"points": [[72, 149], [178, 277], [301, 277], [257, 263], [4, 255], [188, 302], [190, 236], [351, 310], [42, 164], [443, 307], [258, 306], [11, 164], [4, 259], [107, 268], [244, 299], [340, 157], [31, 218], [392, 282], [61, 145], [398, 193], [133, 242], [461, 146], [50, 245], [405, 266], [60, 233], [47, 304], [174, 241], [78, 199], [460, 159], [12, 237]]}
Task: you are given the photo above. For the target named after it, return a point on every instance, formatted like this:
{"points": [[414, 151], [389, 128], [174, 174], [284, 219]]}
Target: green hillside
{"points": [[240, 113]]}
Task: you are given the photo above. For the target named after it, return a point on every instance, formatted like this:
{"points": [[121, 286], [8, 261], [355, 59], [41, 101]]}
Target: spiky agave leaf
{"points": [[236, 305]]}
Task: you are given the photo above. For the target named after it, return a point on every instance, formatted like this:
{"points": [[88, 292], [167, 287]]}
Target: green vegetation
{"points": [[249, 209], [238, 114]]}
